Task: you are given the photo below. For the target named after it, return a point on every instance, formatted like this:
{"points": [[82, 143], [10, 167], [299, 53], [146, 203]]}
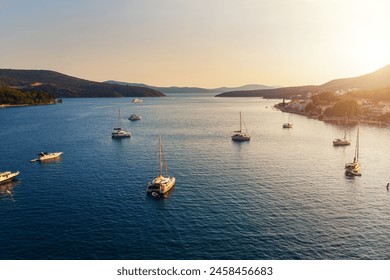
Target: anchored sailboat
{"points": [[289, 123], [344, 141], [353, 168], [161, 184], [118, 132], [239, 135]]}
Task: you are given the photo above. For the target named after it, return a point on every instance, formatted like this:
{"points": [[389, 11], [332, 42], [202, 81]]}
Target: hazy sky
{"points": [[206, 43]]}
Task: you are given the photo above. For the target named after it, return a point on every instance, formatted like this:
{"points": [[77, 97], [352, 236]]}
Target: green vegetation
{"points": [[17, 97]]}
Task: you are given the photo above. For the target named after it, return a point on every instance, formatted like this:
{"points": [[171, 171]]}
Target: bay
{"points": [[283, 195]]}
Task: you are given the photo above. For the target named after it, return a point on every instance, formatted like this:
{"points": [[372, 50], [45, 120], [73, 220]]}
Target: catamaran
{"points": [[239, 135], [353, 168], [161, 184], [118, 132]]}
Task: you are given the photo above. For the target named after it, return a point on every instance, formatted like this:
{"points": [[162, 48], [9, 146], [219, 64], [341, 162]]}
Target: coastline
{"points": [[3, 106], [334, 119]]}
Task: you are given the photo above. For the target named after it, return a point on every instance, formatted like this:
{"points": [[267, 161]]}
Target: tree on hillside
{"points": [[347, 106]]}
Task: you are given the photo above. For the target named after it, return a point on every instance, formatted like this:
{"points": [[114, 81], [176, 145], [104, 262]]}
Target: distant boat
{"points": [[353, 168], [135, 117], [7, 176], [289, 123], [43, 156], [136, 100], [344, 141], [239, 135], [118, 132], [161, 184]]}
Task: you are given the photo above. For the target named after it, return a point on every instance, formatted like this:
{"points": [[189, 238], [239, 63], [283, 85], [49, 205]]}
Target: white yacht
{"points": [[161, 184], [135, 117], [118, 132], [136, 100], [240, 135], [7, 176], [43, 156]]}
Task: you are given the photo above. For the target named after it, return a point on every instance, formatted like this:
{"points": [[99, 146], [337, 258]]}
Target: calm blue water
{"points": [[283, 195]]}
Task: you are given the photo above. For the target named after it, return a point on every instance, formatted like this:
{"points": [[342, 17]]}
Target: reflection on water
{"points": [[6, 190]]}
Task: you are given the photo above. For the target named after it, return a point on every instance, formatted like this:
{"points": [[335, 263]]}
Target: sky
{"points": [[204, 43]]}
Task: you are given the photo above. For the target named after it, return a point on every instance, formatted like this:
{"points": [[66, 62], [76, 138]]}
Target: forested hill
{"points": [[61, 85], [380, 79]]}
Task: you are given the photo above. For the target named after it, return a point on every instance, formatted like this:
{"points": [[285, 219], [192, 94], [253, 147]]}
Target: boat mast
{"points": [[160, 153], [357, 145], [240, 123], [345, 127]]}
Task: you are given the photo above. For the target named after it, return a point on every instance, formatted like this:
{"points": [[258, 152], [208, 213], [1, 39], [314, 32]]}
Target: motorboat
{"points": [[135, 117], [240, 135], [136, 100], [43, 156], [162, 183], [7, 176]]}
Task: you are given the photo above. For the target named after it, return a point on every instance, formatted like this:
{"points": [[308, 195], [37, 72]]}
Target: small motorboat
{"points": [[135, 117]]}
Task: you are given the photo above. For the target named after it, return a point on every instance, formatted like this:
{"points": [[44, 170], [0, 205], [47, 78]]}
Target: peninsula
{"points": [[60, 85]]}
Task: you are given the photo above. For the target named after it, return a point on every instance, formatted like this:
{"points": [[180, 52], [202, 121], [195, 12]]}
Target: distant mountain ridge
{"points": [[176, 89], [62, 85], [375, 80]]}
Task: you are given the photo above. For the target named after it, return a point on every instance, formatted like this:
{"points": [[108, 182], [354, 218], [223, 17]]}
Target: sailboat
{"points": [[289, 123], [118, 132], [161, 184], [239, 135], [344, 141], [353, 168]]}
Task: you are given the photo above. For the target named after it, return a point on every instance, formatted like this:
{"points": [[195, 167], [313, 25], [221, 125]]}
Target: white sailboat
{"points": [[289, 123], [118, 132], [353, 168], [343, 141], [239, 135], [161, 184]]}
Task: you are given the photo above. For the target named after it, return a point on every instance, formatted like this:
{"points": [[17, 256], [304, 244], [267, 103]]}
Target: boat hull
{"points": [[120, 135], [239, 137], [50, 156], [339, 142]]}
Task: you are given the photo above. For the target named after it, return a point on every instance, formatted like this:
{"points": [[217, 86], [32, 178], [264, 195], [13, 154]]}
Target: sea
{"points": [[281, 196]]}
